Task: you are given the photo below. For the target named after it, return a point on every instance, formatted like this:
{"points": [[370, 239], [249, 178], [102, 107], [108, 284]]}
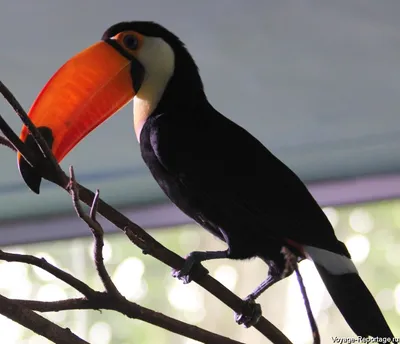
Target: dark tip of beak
{"points": [[28, 173]]}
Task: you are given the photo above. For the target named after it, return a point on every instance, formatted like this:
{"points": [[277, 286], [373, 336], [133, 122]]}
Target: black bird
{"points": [[211, 168]]}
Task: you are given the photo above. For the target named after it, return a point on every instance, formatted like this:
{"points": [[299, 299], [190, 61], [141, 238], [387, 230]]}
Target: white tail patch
{"points": [[334, 263]]}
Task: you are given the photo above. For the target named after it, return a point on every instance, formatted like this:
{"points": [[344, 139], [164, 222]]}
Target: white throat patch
{"points": [[158, 60]]}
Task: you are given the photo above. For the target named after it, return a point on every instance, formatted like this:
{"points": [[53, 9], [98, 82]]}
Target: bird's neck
{"points": [[182, 94], [172, 85], [158, 74], [144, 105]]}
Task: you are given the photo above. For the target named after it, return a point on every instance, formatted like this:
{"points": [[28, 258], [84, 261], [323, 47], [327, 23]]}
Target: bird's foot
{"points": [[190, 267], [251, 313]]}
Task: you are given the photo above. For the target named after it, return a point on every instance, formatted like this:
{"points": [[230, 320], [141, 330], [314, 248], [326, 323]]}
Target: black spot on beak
{"points": [[29, 173]]}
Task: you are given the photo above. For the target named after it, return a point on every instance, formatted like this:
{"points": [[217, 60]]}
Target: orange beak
{"points": [[82, 94]]}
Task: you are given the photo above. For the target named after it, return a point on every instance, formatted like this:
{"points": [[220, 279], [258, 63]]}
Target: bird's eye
{"points": [[131, 42]]}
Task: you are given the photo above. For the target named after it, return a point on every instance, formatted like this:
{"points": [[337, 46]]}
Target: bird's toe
{"points": [[182, 275], [250, 315], [185, 274]]}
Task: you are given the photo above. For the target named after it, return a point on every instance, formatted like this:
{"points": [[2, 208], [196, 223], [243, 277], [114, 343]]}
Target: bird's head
{"points": [[134, 60]]}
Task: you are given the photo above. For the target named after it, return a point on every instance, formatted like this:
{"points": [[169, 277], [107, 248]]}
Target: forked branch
{"points": [[25, 316], [48, 167], [111, 299], [97, 231]]}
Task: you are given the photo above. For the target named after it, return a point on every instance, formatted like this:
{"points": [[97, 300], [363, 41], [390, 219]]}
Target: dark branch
{"points": [[35, 322], [15, 141], [129, 309], [97, 231], [51, 171], [313, 324], [292, 265], [110, 301], [105, 300], [7, 143], [45, 265]]}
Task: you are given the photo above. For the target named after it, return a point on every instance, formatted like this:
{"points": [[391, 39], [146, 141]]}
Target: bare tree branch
{"points": [[14, 139], [130, 310], [111, 299], [292, 265], [45, 265], [50, 170], [7, 143], [35, 322], [97, 231], [105, 300]]}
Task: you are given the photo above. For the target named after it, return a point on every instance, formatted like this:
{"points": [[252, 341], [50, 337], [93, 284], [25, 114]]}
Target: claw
{"points": [[182, 276], [185, 274], [251, 315]]}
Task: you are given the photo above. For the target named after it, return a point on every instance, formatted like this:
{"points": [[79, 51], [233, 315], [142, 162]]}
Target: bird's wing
{"points": [[233, 175]]}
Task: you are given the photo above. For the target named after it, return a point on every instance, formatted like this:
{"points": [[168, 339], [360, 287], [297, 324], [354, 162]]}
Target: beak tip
{"points": [[29, 175]]}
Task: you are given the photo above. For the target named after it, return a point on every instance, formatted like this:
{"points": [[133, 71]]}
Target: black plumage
{"points": [[228, 182], [223, 177]]}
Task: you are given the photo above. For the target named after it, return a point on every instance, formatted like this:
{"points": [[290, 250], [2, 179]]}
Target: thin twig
{"points": [[35, 322], [42, 263], [97, 231], [19, 110], [7, 143], [137, 234], [313, 324], [16, 142], [291, 264]]}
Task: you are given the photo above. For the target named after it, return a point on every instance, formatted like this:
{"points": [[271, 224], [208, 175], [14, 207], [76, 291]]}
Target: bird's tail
{"points": [[351, 296]]}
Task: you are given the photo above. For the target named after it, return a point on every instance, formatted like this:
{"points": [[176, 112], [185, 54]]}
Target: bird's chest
{"points": [[166, 176], [167, 181]]}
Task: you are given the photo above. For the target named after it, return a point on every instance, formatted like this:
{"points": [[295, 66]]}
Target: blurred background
{"points": [[316, 82], [370, 231]]}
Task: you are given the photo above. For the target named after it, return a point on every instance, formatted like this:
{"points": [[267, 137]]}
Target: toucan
{"points": [[214, 170]]}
